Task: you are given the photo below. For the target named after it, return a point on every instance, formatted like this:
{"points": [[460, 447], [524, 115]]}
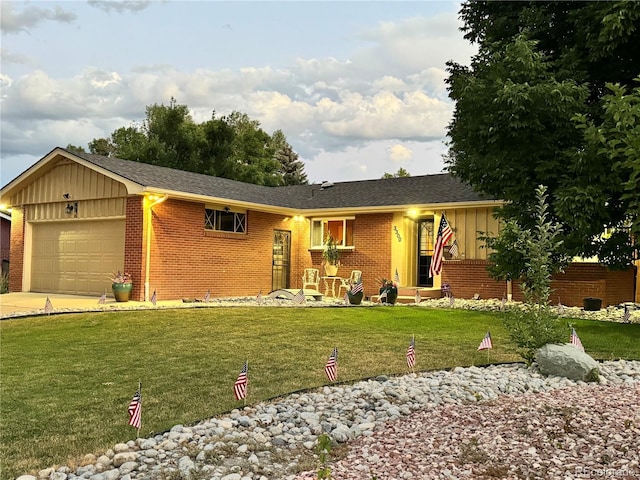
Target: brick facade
{"points": [[17, 249], [580, 280]]}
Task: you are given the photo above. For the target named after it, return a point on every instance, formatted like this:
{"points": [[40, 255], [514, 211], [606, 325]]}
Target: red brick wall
{"points": [[579, 280], [186, 260], [5, 238], [134, 257], [371, 254], [17, 250]]}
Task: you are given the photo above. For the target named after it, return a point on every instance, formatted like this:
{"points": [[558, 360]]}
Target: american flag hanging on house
{"points": [[486, 344], [299, 297], [331, 368], [411, 353], [48, 306], [240, 387], [444, 235], [135, 411], [575, 340], [154, 298]]}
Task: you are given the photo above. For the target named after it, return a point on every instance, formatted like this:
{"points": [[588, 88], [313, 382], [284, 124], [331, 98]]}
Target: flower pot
{"points": [[122, 291], [331, 270], [591, 304], [355, 299], [392, 294]]}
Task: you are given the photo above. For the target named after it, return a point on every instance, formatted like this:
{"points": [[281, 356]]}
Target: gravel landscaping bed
{"points": [[500, 421]]}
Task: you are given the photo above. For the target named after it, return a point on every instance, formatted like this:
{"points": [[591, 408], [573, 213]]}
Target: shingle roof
{"points": [[418, 190]]}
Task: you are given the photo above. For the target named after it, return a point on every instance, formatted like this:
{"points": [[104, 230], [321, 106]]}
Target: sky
{"points": [[358, 88]]}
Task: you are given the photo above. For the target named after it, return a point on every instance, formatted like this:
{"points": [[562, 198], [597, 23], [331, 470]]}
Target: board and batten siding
{"points": [[98, 196], [467, 223]]}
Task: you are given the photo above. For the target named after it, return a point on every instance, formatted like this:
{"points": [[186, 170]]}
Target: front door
{"points": [[280, 259], [425, 252]]}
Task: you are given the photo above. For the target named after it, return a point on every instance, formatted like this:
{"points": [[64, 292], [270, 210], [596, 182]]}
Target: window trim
{"points": [[344, 219], [237, 223]]}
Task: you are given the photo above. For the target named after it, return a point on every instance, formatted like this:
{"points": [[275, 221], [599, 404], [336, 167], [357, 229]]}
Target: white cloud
{"points": [[120, 6], [14, 21], [399, 153]]}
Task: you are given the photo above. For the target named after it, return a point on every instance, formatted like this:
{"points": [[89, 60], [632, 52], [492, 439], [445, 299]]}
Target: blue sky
{"points": [[357, 87]]}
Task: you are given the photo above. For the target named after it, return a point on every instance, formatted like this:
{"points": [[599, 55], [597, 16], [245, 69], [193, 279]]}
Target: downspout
{"points": [[147, 266]]}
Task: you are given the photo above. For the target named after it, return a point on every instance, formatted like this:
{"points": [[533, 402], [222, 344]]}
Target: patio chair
{"points": [[347, 282], [311, 277]]}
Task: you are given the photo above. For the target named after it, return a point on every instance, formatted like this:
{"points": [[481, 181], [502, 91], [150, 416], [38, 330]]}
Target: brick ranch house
{"points": [[77, 217]]}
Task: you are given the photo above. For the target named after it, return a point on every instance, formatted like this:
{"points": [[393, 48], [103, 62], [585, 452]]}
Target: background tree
{"points": [[400, 173], [521, 107], [232, 146], [291, 168]]}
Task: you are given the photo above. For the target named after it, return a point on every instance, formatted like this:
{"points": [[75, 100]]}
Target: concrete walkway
{"points": [[25, 303]]}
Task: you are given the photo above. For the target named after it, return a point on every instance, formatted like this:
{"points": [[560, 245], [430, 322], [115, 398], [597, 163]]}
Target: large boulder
{"points": [[567, 361]]}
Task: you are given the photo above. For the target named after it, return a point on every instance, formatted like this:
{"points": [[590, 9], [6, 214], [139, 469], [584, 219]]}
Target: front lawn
{"points": [[66, 380]]}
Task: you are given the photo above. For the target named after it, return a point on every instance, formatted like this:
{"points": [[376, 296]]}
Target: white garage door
{"points": [[76, 257]]}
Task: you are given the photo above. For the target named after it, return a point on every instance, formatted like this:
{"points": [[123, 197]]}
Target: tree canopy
{"points": [[232, 146], [550, 99]]}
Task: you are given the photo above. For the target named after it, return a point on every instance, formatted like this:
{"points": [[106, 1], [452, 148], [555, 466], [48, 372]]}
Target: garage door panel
{"points": [[76, 258]]}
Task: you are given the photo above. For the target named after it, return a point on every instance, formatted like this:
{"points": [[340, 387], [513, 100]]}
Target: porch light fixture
{"points": [[227, 209], [66, 196], [413, 213]]}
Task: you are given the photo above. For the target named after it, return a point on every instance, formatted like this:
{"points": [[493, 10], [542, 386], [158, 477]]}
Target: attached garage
{"points": [[76, 257]]}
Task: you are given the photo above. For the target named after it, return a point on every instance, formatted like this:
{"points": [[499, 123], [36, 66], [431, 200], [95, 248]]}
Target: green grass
{"points": [[66, 380]]}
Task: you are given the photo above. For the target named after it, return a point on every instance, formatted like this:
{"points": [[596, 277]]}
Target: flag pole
{"points": [[139, 390], [246, 392]]}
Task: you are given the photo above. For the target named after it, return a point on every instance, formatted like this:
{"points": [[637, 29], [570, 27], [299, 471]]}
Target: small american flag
{"points": [[356, 288], [575, 340], [486, 344], [207, 296], [154, 298], [103, 299], [452, 300], [503, 302], [396, 277], [135, 411], [411, 353], [383, 296], [331, 368], [300, 298], [560, 307], [240, 387], [626, 317], [418, 298], [48, 306], [259, 298], [454, 249]]}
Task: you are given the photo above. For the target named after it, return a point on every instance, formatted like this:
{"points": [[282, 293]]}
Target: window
{"points": [[225, 221], [341, 229]]}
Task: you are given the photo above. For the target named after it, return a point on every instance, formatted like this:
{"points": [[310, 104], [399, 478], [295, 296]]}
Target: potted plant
{"points": [[121, 285], [355, 292], [331, 257], [390, 291]]}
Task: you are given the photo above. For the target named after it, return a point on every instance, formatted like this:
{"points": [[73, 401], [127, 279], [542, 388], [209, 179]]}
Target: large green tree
{"points": [[232, 146], [523, 107]]}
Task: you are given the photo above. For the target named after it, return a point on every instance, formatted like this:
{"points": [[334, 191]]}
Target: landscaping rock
{"points": [[566, 361]]}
